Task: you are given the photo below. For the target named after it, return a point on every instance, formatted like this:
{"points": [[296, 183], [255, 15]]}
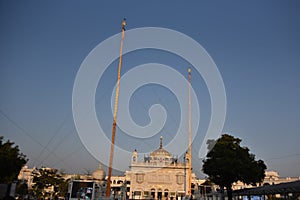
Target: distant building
{"points": [[158, 176], [26, 175], [271, 178], [90, 187]]}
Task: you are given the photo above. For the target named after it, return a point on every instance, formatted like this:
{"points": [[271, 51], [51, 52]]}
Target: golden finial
{"points": [[124, 24]]}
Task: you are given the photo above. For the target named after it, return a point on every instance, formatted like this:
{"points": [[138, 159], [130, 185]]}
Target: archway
{"points": [[166, 194], [159, 194], [153, 193]]}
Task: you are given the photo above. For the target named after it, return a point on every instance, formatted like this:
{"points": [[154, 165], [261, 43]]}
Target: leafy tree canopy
{"points": [[227, 162], [12, 161], [22, 189], [44, 178]]}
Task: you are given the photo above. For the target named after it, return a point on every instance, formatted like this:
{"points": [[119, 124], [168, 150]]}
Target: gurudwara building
{"points": [[157, 176]]}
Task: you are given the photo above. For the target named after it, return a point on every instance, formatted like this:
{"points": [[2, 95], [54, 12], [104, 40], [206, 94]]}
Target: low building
{"points": [[271, 178], [26, 175], [157, 176]]}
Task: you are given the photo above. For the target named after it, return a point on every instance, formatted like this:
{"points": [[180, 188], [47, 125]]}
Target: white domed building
{"points": [[157, 176], [100, 182], [99, 174]]}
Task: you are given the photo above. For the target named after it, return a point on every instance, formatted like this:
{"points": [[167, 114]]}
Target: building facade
{"points": [[157, 176]]}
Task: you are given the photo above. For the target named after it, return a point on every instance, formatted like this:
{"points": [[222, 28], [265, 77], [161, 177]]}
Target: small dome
{"points": [[99, 174]]}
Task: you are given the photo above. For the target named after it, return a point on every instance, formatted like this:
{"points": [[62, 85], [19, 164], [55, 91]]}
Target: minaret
{"points": [[160, 142], [189, 188], [134, 156]]}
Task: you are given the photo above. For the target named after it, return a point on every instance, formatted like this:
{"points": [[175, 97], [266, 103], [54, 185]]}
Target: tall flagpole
{"points": [[189, 135], [113, 132]]}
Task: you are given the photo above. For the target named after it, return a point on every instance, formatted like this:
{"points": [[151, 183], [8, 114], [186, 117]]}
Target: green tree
{"points": [[22, 189], [63, 188], [227, 162], [12, 161], [45, 178]]}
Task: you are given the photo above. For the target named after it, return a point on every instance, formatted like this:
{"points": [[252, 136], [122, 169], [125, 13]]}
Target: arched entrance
{"points": [[153, 193], [159, 194], [166, 194]]}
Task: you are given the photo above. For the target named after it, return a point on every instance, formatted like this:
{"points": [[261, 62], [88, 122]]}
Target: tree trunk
{"points": [[229, 192]]}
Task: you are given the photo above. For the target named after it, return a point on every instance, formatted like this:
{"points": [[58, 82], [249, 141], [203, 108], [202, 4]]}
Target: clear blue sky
{"points": [[255, 45]]}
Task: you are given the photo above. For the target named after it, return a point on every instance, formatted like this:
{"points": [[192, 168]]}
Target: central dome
{"points": [[160, 151]]}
